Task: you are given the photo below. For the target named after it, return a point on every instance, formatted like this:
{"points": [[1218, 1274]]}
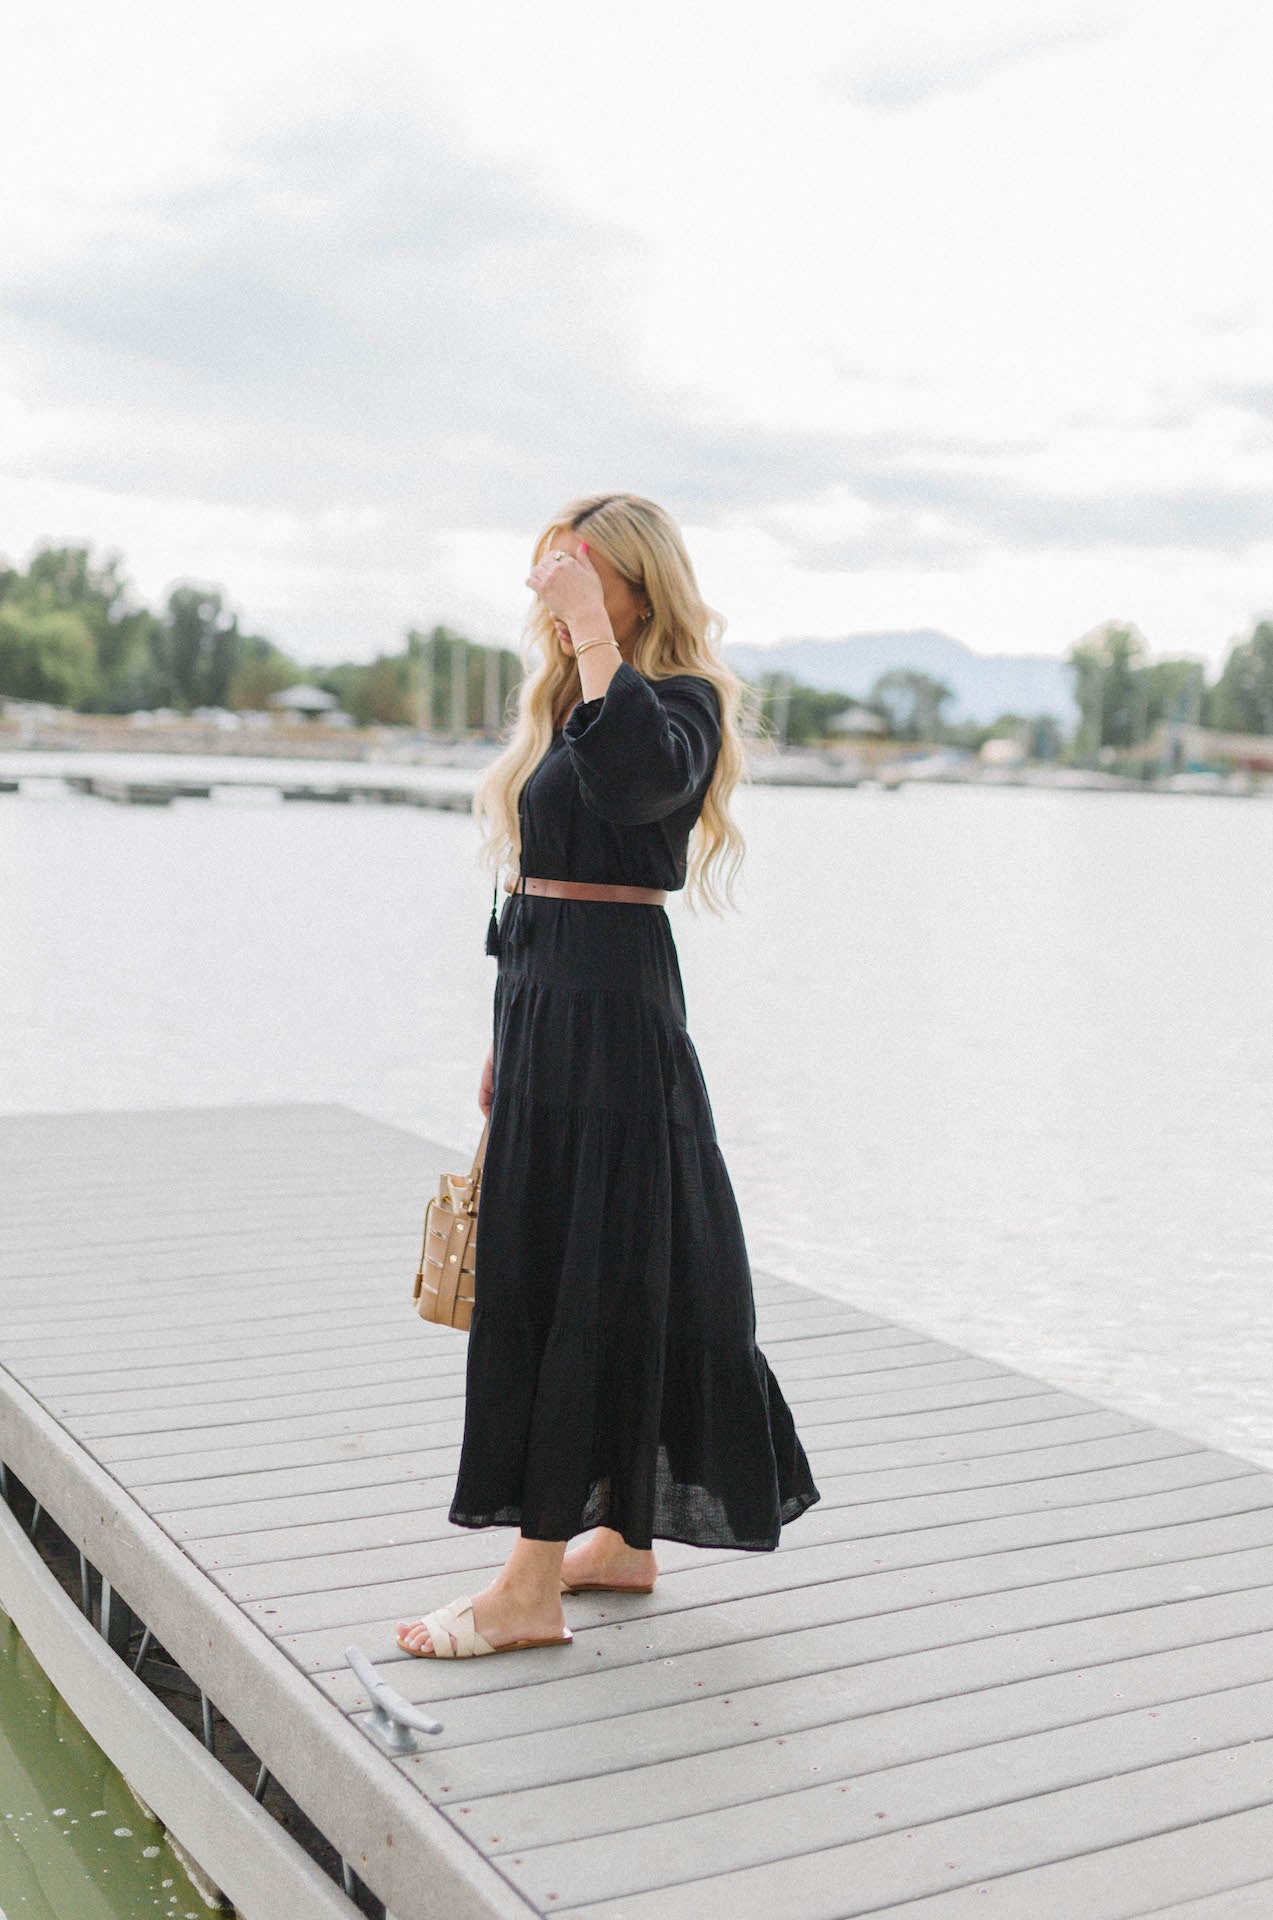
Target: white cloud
{"points": [[923, 68], [340, 323]]}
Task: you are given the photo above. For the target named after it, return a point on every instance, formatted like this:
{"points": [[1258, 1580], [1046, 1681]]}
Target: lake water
{"points": [[74, 1843]]}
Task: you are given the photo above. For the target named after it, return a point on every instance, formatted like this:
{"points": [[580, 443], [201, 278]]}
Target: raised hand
{"points": [[569, 586]]}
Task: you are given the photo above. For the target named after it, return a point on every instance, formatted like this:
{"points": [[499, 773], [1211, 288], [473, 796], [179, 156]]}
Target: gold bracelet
{"points": [[608, 642]]}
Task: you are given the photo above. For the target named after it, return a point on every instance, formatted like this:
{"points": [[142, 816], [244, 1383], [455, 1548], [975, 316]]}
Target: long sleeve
{"points": [[644, 748]]}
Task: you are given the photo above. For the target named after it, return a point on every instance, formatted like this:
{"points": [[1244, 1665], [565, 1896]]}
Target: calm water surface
{"points": [[74, 1843], [995, 1062]]}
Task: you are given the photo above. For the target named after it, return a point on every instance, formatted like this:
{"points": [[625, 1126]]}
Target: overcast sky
{"points": [[951, 314]]}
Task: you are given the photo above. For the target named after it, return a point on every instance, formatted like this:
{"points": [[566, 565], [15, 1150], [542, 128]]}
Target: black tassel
{"points": [[492, 931]]}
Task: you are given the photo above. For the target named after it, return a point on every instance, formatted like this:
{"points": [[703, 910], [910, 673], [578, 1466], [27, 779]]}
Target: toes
{"points": [[414, 1636]]}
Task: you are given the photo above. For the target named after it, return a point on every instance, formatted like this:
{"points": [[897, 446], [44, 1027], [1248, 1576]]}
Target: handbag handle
{"points": [[476, 1172], [465, 1188]]}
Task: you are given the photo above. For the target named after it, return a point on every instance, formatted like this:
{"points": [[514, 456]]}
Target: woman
{"points": [[614, 1383]]}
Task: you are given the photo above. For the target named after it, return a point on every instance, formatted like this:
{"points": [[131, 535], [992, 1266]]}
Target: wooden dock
{"points": [[348, 786], [1017, 1663]]}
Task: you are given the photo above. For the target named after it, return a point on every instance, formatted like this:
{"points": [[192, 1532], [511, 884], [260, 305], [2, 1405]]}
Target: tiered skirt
{"points": [[613, 1374]]}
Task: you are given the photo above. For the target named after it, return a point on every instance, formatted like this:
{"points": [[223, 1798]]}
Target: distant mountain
{"points": [[984, 684]]}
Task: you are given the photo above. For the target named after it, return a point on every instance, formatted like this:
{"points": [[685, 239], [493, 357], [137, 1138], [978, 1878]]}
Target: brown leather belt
{"points": [[588, 890]]}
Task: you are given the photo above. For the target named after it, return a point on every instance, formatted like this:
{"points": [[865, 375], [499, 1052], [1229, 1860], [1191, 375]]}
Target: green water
{"points": [[74, 1844]]}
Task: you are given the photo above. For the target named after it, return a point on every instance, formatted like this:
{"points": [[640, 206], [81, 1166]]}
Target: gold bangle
{"points": [[608, 641]]}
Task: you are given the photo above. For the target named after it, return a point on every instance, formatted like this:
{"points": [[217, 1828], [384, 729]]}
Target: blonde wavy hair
{"points": [[644, 545]]}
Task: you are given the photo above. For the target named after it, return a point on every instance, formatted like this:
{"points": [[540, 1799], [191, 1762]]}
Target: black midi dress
{"points": [[613, 1374]]}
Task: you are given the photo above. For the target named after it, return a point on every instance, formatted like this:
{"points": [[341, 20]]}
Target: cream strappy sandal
{"points": [[455, 1636]]}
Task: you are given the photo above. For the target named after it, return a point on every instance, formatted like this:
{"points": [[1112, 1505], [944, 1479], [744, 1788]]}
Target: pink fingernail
{"points": [[583, 546]]}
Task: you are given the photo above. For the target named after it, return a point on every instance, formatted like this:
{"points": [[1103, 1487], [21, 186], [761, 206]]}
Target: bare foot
{"points": [[500, 1616], [606, 1559]]}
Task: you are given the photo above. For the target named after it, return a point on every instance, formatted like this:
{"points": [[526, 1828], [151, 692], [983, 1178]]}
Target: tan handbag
{"points": [[448, 1258]]}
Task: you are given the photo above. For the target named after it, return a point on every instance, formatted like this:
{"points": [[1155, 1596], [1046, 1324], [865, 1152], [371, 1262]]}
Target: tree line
{"points": [[72, 635], [1121, 694]]}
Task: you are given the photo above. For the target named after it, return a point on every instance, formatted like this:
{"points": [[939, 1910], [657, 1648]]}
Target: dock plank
{"points": [[872, 1745], [197, 1382], [308, 1574], [313, 1603], [179, 1386], [639, 1707], [887, 1727], [825, 1815], [926, 1863], [333, 1522]]}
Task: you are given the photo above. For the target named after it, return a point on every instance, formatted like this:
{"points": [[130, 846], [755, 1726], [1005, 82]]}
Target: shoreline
{"points": [[444, 774]]}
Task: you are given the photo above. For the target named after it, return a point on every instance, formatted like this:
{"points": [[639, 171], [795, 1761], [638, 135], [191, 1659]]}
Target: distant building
{"points": [[1182, 745], [856, 720], [1002, 752], [303, 702]]}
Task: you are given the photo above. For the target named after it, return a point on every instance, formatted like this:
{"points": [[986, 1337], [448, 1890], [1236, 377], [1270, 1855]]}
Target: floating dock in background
{"points": [[354, 786], [1017, 1663], [207, 776]]}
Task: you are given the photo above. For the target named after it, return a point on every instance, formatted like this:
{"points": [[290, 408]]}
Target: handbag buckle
{"points": [[461, 1192]]}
